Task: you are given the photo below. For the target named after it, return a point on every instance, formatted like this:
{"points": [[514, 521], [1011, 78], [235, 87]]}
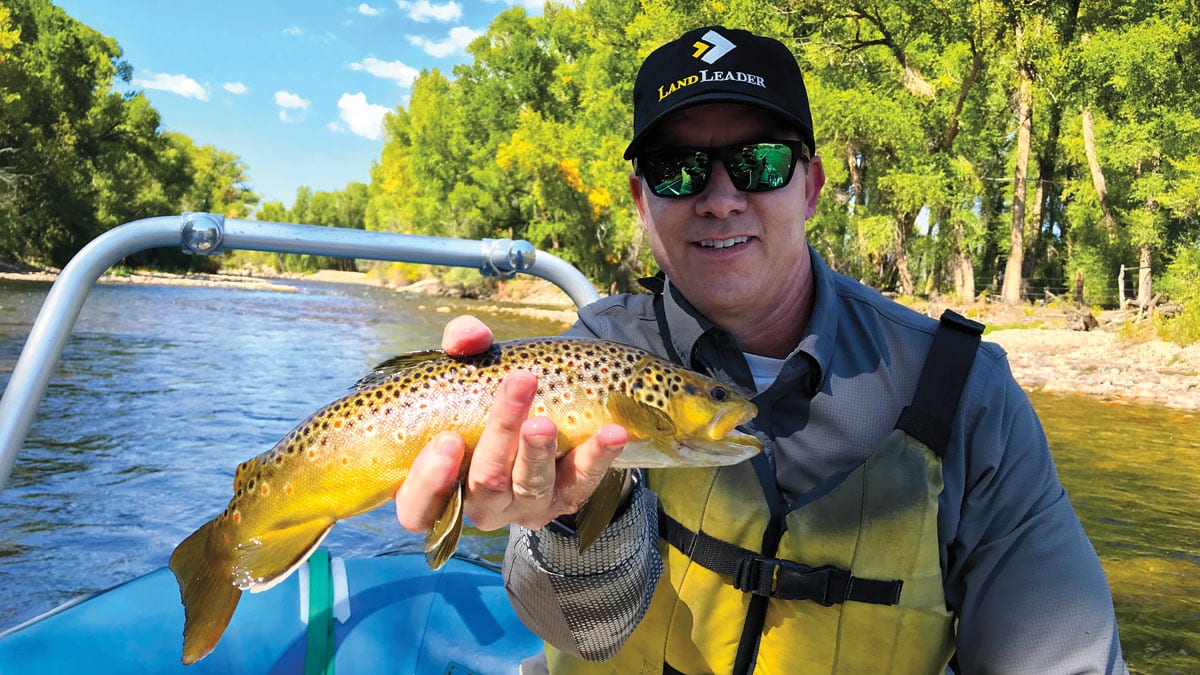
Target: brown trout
{"points": [[352, 455]]}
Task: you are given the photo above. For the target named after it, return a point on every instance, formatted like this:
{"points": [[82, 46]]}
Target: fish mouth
{"points": [[724, 422], [732, 449]]}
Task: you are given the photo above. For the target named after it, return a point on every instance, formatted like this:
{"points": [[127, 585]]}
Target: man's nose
{"points": [[720, 198]]}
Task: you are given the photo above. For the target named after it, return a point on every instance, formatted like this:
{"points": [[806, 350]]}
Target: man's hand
{"points": [[515, 474]]}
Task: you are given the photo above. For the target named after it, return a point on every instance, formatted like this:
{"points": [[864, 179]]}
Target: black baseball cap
{"points": [[712, 64]]}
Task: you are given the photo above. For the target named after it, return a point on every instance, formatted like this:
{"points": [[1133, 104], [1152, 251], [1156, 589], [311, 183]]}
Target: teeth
{"points": [[723, 243]]}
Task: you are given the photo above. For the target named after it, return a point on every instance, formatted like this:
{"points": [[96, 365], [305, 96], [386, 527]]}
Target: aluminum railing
{"points": [[210, 234]]}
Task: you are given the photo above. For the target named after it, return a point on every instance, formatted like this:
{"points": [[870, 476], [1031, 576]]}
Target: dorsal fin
{"points": [[395, 364]]}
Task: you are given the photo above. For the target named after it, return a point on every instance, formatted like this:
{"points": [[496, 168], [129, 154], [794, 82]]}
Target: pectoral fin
{"points": [[639, 419], [269, 558], [442, 538], [598, 511]]}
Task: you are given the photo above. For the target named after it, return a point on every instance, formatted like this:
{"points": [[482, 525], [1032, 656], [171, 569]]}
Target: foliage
{"points": [[345, 208], [78, 156], [1181, 288], [916, 125]]}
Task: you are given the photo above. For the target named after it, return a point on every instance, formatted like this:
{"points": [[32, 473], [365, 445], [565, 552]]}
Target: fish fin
{"points": [[274, 555], [204, 572], [385, 370], [597, 512], [442, 538], [638, 417]]}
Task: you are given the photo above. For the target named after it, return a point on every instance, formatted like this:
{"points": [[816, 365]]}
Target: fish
{"points": [[352, 455]]}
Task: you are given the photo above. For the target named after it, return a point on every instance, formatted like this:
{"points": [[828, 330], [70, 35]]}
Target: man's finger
{"points": [[580, 470], [533, 472], [490, 477], [465, 335], [434, 473]]}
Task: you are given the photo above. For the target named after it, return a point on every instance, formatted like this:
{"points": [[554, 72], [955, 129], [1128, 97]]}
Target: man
{"points": [[846, 546]]}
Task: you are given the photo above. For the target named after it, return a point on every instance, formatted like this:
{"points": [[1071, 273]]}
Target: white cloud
{"points": [[176, 84], [398, 71], [362, 118], [423, 11], [292, 107], [234, 87], [459, 38], [293, 30], [367, 10], [532, 7]]}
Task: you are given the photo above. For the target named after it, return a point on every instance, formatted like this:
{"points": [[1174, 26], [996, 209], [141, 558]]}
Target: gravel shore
{"points": [[1098, 362], [1103, 364]]}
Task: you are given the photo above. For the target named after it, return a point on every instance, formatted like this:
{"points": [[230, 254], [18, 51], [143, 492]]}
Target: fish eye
{"points": [[718, 393]]}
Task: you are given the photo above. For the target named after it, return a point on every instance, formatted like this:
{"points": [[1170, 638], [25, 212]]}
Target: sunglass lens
{"points": [[759, 167], [678, 173]]}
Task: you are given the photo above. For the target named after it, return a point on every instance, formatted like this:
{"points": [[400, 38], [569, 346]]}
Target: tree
{"points": [[78, 156]]}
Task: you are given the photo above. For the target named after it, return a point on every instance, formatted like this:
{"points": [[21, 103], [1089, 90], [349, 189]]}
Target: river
{"points": [[162, 391]]}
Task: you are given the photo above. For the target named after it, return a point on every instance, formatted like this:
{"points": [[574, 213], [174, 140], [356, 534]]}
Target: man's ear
{"points": [[814, 180], [637, 189]]}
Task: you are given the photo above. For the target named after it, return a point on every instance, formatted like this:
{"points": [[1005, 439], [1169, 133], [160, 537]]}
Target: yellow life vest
{"points": [[854, 584]]}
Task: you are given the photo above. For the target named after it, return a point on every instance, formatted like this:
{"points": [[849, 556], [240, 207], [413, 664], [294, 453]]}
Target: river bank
{"points": [[1045, 354]]}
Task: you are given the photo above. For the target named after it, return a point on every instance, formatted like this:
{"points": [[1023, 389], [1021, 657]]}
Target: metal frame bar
{"points": [[209, 234]]}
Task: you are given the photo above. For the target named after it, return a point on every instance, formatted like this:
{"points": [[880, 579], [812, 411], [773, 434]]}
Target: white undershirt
{"points": [[764, 369]]}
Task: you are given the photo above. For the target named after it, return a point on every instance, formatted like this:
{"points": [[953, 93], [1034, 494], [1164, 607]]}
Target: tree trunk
{"points": [[856, 185], [1035, 245], [1011, 291], [1048, 190], [961, 266], [1089, 149], [1145, 291], [907, 287]]}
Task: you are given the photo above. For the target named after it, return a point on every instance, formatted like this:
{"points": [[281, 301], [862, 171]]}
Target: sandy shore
{"points": [[1099, 362]]}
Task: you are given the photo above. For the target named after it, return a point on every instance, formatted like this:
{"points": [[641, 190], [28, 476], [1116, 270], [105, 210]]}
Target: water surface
{"points": [[162, 391]]}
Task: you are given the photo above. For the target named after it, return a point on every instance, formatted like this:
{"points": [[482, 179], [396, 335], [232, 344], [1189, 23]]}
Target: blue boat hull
{"points": [[403, 618]]}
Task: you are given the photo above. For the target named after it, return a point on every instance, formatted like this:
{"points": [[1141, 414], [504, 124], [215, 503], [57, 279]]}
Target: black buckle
{"points": [[787, 580]]}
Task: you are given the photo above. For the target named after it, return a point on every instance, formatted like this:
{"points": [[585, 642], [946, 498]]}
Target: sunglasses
{"points": [[758, 166]]}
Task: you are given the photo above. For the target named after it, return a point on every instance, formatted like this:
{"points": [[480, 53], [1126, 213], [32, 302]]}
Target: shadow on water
{"points": [[1132, 474]]}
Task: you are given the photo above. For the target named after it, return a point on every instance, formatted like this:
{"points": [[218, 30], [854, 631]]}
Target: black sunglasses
{"points": [[757, 166]]}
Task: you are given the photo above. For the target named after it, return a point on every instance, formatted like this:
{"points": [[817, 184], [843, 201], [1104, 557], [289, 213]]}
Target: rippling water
{"points": [[162, 391]]}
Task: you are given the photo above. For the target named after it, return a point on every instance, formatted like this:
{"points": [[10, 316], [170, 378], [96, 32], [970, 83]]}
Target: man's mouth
{"points": [[723, 243]]}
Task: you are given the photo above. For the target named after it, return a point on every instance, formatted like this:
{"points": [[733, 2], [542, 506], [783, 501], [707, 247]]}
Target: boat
{"points": [[387, 613]]}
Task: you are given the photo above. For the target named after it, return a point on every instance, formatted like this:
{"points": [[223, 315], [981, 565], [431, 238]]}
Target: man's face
{"points": [[732, 254]]}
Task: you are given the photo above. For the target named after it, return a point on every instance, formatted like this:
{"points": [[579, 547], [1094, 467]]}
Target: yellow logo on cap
{"points": [[709, 48], [712, 46]]}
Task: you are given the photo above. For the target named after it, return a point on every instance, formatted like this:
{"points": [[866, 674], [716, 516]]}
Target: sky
{"points": [[298, 89]]}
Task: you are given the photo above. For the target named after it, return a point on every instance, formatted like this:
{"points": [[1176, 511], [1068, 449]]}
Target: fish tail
{"points": [[205, 576]]}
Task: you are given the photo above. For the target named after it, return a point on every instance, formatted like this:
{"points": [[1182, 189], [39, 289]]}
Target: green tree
{"points": [[78, 156]]}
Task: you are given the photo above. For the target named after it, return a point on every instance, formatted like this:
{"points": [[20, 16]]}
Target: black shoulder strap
{"points": [[664, 331], [939, 388]]}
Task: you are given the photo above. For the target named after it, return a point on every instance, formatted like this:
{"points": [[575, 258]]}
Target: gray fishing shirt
{"points": [[1019, 572]]}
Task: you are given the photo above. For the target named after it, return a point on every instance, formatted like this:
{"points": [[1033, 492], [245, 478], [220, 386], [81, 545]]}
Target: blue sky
{"points": [[296, 89]]}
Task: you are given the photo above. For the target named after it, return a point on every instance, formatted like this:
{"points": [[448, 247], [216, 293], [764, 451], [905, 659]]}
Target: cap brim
{"points": [[715, 97]]}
